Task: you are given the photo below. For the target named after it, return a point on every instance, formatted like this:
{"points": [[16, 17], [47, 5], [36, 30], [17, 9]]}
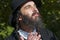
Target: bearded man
{"points": [[27, 21]]}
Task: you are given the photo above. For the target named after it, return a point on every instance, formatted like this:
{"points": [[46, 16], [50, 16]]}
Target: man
{"points": [[27, 22]]}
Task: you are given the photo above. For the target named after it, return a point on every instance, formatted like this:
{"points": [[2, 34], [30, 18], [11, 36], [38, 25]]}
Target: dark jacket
{"points": [[46, 35]]}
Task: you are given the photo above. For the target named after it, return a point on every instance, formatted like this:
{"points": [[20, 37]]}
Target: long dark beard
{"points": [[32, 24], [28, 22]]}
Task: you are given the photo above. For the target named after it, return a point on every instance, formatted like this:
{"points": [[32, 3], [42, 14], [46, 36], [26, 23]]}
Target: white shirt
{"points": [[24, 34]]}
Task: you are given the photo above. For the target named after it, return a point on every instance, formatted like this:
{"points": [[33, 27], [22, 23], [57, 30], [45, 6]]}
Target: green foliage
{"points": [[5, 30], [51, 15], [50, 12]]}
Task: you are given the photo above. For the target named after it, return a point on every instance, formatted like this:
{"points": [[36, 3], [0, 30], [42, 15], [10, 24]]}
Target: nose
{"points": [[35, 9]]}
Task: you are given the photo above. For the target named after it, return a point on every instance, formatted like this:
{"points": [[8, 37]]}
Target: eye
{"points": [[27, 7]]}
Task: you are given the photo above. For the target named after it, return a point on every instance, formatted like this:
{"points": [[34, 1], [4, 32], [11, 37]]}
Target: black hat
{"points": [[17, 3]]}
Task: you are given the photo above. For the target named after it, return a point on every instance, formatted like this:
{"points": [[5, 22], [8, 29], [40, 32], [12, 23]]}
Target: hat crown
{"points": [[17, 3]]}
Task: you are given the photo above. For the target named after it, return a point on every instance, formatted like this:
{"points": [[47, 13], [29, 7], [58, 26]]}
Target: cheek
{"points": [[29, 12]]}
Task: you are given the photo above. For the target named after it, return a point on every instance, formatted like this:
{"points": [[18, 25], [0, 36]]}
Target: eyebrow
{"points": [[27, 6]]}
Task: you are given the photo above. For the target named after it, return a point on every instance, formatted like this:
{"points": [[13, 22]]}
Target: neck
{"points": [[26, 28]]}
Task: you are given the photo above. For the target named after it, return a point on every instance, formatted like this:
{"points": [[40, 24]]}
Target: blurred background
{"points": [[50, 12]]}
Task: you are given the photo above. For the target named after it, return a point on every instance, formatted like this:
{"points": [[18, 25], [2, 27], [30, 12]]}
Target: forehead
{"points": [[28, 3]]}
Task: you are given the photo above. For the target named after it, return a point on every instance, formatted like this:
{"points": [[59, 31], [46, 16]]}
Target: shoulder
{"points": [[47, 34]]}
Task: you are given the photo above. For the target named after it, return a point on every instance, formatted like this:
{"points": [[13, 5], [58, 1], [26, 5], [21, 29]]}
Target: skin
{"points": [[27, 10], [32, 37]]}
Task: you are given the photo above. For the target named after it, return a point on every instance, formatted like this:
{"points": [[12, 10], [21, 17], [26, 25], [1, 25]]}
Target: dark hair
{"points": [[15, 16]]}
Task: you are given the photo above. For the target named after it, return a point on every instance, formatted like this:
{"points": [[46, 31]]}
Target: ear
{"points": [[20, 18]]}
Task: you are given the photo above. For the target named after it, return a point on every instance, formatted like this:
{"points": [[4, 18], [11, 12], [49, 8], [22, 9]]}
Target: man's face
{"points": [[30, 15], [29, 9]]}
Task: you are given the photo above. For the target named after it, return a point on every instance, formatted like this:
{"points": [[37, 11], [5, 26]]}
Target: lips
{"points": [[35, 14]]}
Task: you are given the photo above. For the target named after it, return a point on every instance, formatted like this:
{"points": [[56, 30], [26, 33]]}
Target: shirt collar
{"points": [[24, 34]]}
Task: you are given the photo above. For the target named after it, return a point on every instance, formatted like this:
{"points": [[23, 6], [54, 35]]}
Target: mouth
{"points": [[35, 14]]}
